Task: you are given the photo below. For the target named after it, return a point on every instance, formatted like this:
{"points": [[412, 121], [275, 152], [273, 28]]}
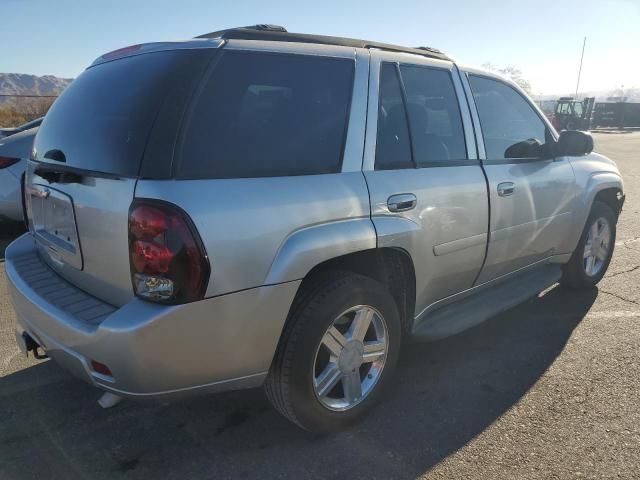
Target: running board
{"points": [[476, 308]]}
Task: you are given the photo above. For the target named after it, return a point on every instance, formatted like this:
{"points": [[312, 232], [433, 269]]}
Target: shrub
{"points": [[19, 110]]}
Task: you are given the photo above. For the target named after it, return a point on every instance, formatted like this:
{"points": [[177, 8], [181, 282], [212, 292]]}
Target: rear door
{"points": [[88, 155], [428, 192], [531, 197]]}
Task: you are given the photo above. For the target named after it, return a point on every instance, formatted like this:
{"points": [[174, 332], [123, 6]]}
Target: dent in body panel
{"points": [[451, 208], [245, 223], [532, 223], [451, 201], [527, 243], [460, 244]]}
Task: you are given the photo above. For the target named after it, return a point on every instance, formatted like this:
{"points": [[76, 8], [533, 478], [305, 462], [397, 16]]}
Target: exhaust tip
{"points": [[108, 400]]}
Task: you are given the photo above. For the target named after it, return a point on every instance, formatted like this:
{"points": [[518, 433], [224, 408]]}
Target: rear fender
{"points": [[310, 246]]}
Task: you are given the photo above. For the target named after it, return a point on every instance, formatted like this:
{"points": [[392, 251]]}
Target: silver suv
{"points": [[256, 207]]}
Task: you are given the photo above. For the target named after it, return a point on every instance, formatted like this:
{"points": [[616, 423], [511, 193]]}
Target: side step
{"points": [[476, 308]]}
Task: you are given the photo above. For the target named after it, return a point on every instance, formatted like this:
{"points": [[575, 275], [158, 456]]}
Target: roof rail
{"points": [[280, 34], [261, 27]]}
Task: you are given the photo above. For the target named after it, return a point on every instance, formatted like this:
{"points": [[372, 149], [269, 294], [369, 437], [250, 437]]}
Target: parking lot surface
{"points": [[549, 389]]}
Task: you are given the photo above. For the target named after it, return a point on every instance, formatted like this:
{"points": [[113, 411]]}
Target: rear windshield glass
{"points": [[101, 121], [265, 114]]}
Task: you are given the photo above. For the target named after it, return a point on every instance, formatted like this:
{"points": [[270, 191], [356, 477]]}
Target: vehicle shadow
{"points": [[446, 393], [9, 231]]}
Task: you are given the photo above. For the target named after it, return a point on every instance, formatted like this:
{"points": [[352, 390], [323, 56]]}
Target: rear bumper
{"points": [[220, 343]]}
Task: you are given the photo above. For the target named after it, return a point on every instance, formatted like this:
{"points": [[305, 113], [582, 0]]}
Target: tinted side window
{"points": [[393, 149], [264, 114], [434, 115], [506, 118]]}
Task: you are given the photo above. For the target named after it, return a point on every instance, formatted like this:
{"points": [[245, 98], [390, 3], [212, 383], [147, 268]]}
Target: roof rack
{"points": [[276, 33]]}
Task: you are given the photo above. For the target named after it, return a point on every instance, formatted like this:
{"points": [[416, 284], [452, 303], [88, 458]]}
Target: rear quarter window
{"points": [[265, 115]]}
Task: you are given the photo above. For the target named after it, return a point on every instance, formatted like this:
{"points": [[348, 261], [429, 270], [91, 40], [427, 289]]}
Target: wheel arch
{"points": [[606, 187], [611, 196], [391, 266]]}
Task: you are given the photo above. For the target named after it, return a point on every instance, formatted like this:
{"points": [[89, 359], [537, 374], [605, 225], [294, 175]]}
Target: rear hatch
{"points": [[115, 123]]}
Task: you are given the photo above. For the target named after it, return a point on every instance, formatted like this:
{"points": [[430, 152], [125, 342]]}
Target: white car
{"points": [[14, 152], [6, 132]]}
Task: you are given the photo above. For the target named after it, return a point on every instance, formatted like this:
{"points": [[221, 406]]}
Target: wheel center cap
{"points": [[351, 356]]}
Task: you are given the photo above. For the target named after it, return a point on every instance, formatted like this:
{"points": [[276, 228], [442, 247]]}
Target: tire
{"points": [[577, 273], [293, 385]]}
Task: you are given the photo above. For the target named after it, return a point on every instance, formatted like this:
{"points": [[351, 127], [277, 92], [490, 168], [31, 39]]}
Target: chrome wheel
{"points": [[597, 247], [350, 358]]}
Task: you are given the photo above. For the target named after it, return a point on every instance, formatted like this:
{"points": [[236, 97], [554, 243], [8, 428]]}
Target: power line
{"points": [[28, 96], [580, 69]]}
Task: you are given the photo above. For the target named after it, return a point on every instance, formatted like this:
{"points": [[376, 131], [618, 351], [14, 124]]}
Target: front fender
{"points": [[599, 181], [310, 246], [595, 183]]}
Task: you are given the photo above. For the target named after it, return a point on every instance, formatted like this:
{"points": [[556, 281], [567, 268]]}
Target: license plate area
{"points": [[54, 225]]}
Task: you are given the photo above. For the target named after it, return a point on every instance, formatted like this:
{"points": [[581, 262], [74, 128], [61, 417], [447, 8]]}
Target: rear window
{"points": [[102, 121], [265, 115]]}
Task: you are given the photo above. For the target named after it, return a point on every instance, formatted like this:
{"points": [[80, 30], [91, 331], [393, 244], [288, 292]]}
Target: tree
{"points": [[512, 72]]}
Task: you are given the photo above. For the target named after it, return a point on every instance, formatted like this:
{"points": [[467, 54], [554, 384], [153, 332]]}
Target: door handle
{"points": [[402, 202], [506, 188]]}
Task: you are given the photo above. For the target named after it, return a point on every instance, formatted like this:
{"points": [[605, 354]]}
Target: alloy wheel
{"points": [[597, 246], [350, 358]]}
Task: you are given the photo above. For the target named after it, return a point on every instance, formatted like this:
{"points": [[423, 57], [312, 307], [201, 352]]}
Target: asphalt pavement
{"points": [[549, 389]]}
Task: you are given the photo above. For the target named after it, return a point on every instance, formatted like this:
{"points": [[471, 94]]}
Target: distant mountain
{"points": [[24, 84]]}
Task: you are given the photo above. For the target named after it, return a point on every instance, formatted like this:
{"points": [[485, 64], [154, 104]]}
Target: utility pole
{"points": [[584, 43]]}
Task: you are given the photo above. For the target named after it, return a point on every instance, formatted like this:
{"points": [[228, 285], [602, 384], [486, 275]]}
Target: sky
{"points": [[542, 38]]}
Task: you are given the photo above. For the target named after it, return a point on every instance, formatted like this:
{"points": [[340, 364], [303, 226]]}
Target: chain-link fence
{"points": [[18, 109]]}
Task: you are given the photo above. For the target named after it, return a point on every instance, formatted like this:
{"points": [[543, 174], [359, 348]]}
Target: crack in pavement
{"points": [[635, 302], [626, 243], [5, 364], [615, 274]]}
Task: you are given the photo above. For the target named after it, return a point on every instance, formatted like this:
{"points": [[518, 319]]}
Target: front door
{"points": [[531, 197], [428, 192]]}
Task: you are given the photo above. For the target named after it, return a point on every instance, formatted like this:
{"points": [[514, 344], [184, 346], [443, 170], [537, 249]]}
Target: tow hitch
{"points": [[28, 344]]}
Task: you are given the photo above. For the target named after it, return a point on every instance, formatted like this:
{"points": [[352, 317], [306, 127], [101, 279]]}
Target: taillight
{"points": [[101, 368], [8, 161], [168, 261]]}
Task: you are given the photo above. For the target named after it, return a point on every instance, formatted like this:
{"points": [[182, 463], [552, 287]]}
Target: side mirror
{"points": [[531, 148], [574, 143]]}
